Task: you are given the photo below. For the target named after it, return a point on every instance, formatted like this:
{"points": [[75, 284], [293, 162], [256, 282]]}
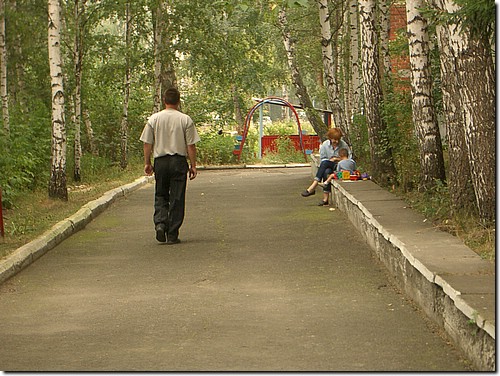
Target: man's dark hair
{"points": [[172, 96]]}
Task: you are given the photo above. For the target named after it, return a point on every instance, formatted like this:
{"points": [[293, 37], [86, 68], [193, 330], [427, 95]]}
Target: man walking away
{"points": [[170, 136]]}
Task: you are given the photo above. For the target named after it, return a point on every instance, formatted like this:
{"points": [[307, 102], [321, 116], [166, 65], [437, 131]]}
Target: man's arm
{"points": [[191, 149], [148, 168]]}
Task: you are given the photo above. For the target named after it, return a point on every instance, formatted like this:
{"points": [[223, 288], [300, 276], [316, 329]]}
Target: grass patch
{"points": [[435, 206], [33, 212]]}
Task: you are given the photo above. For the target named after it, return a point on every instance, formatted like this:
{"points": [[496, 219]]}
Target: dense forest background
{"points": [[407, 98]]}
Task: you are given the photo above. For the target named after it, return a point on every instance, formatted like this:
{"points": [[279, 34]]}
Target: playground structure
{"points": [[281, 102]]}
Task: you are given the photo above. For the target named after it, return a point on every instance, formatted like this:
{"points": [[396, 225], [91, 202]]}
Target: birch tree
{"points": [[382, 165], [57, 182], [329, 69], [79, 10], [475, 71], [158, 48], [383, 7], [459, 174], [355, 76], [164, 71], [300, 88], [126, 94], [90, 132], [3, 71], [423, 112]]}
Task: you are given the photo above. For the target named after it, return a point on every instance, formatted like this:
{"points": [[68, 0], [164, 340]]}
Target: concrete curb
{"points": [[28, 253], [449, 281]]}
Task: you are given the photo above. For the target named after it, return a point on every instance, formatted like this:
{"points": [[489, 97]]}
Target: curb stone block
{"points": [[97, 206], [129, 187], [81, 218]]}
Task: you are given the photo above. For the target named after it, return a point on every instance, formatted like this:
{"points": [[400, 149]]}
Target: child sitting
{"points": [[345, 164]]}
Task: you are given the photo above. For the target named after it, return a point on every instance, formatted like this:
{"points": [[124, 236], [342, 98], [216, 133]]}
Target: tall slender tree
{"points": [[475, 70], [78, 13], [164, 71], [459, 173], [57, 182], [3, 71], [300, 88], [329, 69], [126, 94], [384, 14], [356, 81], [382, 164], [424, 115]]}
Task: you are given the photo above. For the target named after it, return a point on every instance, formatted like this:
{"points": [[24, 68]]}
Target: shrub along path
{"points": [[263, 280]]}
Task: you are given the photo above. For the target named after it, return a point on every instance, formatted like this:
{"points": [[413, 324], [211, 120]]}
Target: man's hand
{"points": [[148, 169], [192, 173]]}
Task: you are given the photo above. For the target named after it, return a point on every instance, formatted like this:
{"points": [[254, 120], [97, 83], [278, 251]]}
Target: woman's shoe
{"points": [[306, 193], [324, 203]]}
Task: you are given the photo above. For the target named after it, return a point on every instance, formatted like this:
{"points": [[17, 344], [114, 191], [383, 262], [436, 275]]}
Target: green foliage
{"points": [[359, 140], [478, 17], [433, 203], [396, 111], [215, 149], [25, 164], [281, 128]]}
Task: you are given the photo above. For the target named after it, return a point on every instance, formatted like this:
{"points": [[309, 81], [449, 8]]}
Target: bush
{"points": [[215, 149], [25, 165]]}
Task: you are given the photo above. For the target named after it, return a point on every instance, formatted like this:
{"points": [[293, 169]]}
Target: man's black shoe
{"points": [[173, 241], [160, 233]]}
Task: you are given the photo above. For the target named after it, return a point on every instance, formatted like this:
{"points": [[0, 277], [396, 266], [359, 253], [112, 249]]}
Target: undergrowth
{"points": [[436, 207], [33, 212]]}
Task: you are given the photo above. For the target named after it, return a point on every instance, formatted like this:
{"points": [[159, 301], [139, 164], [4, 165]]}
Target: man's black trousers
{"points": [[170, 192]]}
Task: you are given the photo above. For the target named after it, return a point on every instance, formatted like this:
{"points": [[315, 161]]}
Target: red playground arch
{"points": [[248, 122]]}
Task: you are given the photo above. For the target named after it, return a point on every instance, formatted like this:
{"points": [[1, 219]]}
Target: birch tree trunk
{"points": [[18, 90], [475, 70], [356, 81], [3, 72], [329, 69], [159, 26], [459, 176], [238, 112], [78, 61], [126, 95], [314, 118], [90, 133], [424, 116], [57, 182], [382, 165], [165, 76], [384, 36]]}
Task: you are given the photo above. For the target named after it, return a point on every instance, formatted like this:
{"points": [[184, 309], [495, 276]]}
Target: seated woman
{"points": [[329, 156]]}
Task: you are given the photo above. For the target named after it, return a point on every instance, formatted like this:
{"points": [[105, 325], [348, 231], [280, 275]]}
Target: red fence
{"points": [[310, 142]]}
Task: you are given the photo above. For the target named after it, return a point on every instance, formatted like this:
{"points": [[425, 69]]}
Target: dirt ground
{"points": [[264, 280]]}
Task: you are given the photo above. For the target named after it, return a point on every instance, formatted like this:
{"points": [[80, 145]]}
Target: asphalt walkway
{"points": [[264, 280]]}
